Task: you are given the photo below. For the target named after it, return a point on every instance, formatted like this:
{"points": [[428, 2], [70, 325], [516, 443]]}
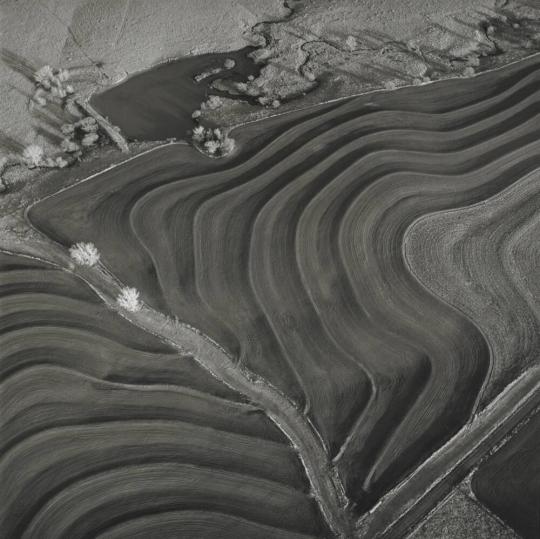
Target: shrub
{"points": [[199, 133], [69, 146], [84, 132], [33, 156], [43, 76], [212, 146], [52, 79], [68, 129], [60, 162], [88, 124], [84, 254], [129, 299], [212, 142], [89, 139], [55, 162], [40, 97], [351, 43]]}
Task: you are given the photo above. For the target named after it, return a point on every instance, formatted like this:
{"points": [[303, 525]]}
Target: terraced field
{"points": [[290, 255], [108, 433]]}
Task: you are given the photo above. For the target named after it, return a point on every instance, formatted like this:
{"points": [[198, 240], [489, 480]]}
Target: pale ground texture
{"points": [[126, 36], [325, 48], [460, 517], [334, 48]]}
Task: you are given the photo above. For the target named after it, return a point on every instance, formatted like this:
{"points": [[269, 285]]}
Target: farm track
{"points": [[106, 431], [290, 255]]}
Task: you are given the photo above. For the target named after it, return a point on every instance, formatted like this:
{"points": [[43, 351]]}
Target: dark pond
{"points": [[157, 104]]}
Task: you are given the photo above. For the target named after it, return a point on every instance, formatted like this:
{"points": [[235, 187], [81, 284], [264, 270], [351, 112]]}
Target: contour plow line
{"points": [[38, 374]]}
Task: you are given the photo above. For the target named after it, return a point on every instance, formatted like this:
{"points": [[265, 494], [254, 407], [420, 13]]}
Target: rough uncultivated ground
{"points": [[327, 49], [460, 517], [324, 48], [104, 41]]}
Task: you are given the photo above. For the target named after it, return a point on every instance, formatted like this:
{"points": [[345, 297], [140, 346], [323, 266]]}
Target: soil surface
{"points": [[313, 212], [338, 321]]}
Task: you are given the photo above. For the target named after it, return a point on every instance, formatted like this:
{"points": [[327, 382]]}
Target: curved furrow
{"points": [[285, 288], [48, 305], [43, 398], [36, 280], [89, 506], [182, 220], [45, 368], [482, 259], [290, 256], [111, 361], [228, 204], [124, 256], [377, 251], [79, 408], [121, 442], [39, 317], [111, 207], [42, 466], [175, 207], [200, 524]]}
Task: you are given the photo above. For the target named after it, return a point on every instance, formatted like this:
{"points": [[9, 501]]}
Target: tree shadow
{"points": [[18, 63], [27, 95], [53, 137], [49, 122], [10, 145]]}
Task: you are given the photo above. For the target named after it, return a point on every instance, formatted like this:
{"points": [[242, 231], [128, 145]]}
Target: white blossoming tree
{"points": [[33, 155], [84, 254], [128, 299], [212, 142]]}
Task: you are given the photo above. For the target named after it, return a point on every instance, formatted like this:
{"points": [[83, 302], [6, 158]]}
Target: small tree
{"points": [[212, 142], [198, 133], [129, 299], [351, 43], [43, 76], [33, 155], [84, 254]]}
